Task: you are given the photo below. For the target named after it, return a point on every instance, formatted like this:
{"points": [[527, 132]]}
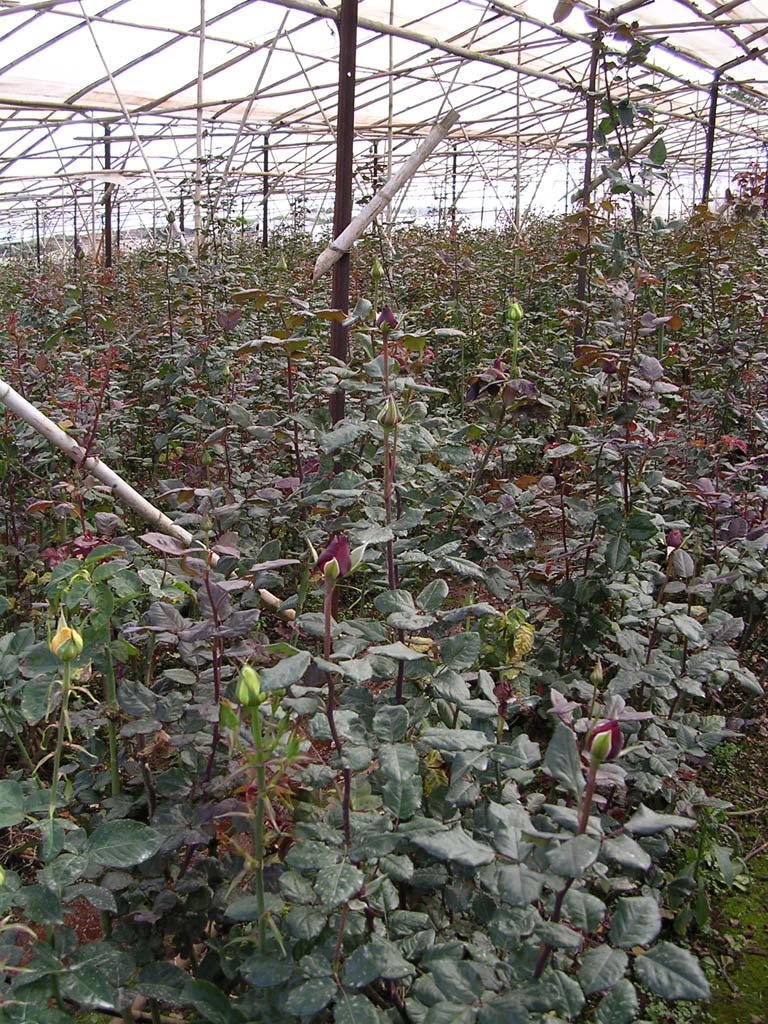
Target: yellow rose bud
{"points": [[377, 271], [66, 642]]}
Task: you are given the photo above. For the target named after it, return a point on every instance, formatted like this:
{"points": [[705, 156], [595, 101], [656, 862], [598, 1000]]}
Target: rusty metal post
{"points": [[709, 145], [342, 209], [265, 194], [38, 247], [107, 200], [583, 268]]}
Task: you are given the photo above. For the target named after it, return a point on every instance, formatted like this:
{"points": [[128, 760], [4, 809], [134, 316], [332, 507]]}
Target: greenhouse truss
{"points": [[181, 110]]}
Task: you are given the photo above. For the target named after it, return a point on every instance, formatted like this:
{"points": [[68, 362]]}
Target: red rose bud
{"points": [[335, 560], [386, 319], [604, 742], [674, 539]]}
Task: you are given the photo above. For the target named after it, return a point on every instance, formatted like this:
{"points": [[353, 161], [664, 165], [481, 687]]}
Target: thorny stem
{"points": [[258, 825], [66, 682], [216, 668], [330, 708], [110, 695], [584, 808], [480, 470]]}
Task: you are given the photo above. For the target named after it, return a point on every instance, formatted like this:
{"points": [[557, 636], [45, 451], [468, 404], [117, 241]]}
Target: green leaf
{"points": [[98, 897], [450, 741], [572, 857], [432, 596], [398, 650], [390, 723], [636, 921], [562, 760], [602, 968], [210, 1002], [310, 996], [355, 1009], [337, 884], [163, 982], [285, 673], [620, 1006], [672, 973], [11, 802], [617, 552], [503, 1010], [378, 959], [123, 844], [402, 791], [658, 153], [455, 845], [624, 851], [645, 822], [87, 986], [305, 923], [450, 1013], [461, 651], [519, 886], [263, 970], [343, 435]]}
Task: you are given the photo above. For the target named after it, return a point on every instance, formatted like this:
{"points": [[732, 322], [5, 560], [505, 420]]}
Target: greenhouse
{"points": [[383, 512]]}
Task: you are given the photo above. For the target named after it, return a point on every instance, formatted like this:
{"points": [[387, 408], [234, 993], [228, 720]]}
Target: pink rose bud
{"points": [[604, 742], [674, 539]]}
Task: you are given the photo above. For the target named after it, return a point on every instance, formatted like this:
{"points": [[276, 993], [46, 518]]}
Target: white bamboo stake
{"points": [[341, 245], [20, 407]]}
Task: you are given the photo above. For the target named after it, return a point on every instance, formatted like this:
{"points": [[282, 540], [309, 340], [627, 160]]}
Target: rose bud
{"points": [[66, 644], [674, 539], [604, 742], [386, 319], [248, 689]]}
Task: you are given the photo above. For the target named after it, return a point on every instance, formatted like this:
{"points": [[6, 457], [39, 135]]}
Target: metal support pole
{"points": [[709, 145], [583, 269], [454, 169], [37, 233], [181, 214], [265, 194], [107, 200], [342, 209]]}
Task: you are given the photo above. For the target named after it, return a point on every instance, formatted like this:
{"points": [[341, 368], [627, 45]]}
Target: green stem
{"points": [[584, 808], [14, 733], [66, 681], [110, 694], [258, 824], [480, 470]]}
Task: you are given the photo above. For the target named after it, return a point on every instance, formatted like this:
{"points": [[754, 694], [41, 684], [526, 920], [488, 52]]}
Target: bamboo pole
{"points": [[36, 419], [344, 242]]}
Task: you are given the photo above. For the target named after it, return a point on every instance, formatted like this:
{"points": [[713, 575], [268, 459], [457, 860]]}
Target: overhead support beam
{"points": [[343, 242], [342, 209], [402, 32]]}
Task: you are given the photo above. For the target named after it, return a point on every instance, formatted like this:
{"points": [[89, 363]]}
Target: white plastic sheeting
{"points": [[517, 77]]}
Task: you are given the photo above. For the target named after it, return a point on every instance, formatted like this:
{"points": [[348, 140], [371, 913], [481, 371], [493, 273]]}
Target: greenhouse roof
{"points": [[240, 83]]}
